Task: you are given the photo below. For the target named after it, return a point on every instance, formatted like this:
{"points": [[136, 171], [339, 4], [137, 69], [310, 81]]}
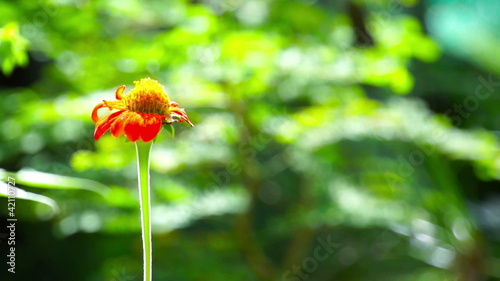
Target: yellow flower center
{"points": [[148, 96]]}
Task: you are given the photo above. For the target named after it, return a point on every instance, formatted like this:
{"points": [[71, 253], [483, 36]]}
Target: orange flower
{"points": [[140, 114]]}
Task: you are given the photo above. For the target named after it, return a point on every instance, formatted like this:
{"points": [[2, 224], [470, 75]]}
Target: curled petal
{"points": [[95, 117], [119, 92], [117, 104], [110, 105], [181, 114]]}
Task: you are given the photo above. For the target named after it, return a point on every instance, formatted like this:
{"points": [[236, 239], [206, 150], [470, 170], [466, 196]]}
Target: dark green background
{"points": [[370, 124]]}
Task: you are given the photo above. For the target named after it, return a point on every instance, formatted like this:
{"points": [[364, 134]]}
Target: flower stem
{"points": [[143, 152]]}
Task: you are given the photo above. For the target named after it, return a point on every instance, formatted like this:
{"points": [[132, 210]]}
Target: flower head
{"points": [[140, 114]]}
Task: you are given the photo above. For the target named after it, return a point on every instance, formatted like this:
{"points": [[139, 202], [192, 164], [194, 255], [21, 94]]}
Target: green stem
{"points": [[143, 152]]}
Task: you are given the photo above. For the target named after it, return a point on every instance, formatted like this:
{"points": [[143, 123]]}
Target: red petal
{"points": [[118, 127], [151, 126], [133, 125], [102, 126]]}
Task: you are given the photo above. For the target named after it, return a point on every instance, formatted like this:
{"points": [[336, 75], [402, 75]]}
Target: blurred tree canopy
{"points": [[366, 129]]}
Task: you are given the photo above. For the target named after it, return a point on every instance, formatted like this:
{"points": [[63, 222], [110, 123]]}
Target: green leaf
{"points": [[38, 179], [5, 189], [169, 129], [7, 65], [13, 48]]}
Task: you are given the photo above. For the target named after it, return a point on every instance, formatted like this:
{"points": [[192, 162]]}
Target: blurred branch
{"points": [[302, 237], [471, 257], [251, 178], [470, 263], [355, 12]]}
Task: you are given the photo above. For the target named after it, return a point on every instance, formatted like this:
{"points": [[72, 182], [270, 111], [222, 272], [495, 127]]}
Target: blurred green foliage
{"points": [[315, 121], [13, 48]]}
